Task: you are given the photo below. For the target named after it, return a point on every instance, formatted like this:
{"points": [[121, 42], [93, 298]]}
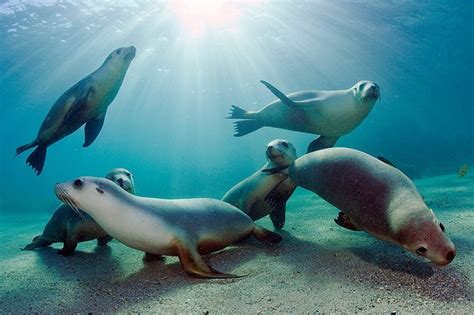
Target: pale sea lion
{"points": [[186, 228], [330, 114], [267, 190], [85, 102], [374, 197], [66, 226]]}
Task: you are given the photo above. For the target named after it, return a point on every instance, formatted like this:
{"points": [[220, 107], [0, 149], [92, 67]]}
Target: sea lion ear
{"points": [[99, 190]]}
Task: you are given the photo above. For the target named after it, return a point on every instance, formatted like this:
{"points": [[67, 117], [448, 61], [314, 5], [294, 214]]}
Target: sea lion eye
{"points": [[441, 226], [421, 251], [78, 183], [284, 144]]}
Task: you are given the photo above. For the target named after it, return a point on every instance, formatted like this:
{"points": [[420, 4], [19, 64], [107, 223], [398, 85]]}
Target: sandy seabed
{"points": [[318, 268]]}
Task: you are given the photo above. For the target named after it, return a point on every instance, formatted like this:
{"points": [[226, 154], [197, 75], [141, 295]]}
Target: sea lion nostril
{"points": [[450, 256]]}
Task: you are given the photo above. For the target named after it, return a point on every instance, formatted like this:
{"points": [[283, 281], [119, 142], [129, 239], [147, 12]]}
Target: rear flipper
{"points": [[38, 242], [239, 113], [36, 159], [266, 236], [25, 147], [322, 142], [102, 241], [243, 127], [194, 265], [69, 247], [344, 221]]}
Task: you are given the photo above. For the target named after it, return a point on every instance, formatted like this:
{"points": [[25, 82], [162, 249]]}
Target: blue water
{"points": [[167, 122]]}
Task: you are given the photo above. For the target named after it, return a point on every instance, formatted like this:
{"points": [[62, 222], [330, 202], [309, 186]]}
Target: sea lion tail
{"points": [[25, 147], [243, 127], [37, 158]]}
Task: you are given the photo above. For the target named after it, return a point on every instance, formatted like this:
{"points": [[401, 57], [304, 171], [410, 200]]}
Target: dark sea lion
{"points": [[66, 226], [86, 102], [267, 190], [187, 228], [374, 197], [330, 114]]}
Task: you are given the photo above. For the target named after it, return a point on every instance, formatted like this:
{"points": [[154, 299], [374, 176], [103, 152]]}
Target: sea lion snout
{"points": [[131, 52], [371, 91], [448, 258], [280, 152]]}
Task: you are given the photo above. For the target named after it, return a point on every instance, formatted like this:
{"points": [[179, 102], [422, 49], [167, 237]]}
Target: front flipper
{"points": [[278, 217], [279, 94], [277, 199], [93, 128], [274, 170], [194, 265], [69, 246], [322, 142], [266, 236], [77, 108], [344, 221]]}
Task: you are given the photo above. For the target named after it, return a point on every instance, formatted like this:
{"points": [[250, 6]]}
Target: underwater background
{"points": [[194, 60]]}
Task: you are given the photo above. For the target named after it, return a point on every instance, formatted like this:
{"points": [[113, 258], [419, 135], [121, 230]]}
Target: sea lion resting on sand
{"points": [[330, 114], [267, 191], [186, 228], [374, 197], [66, 226]]}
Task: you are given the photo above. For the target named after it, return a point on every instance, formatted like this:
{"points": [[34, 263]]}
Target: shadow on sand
{"points": [[155, 280], [381, 265]]}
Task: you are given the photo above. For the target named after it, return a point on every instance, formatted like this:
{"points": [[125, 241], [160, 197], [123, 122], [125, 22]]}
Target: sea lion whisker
{"points": [[67, 199]]}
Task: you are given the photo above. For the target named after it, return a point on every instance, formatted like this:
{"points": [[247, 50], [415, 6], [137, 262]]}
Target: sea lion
{"points": [[330, 114], [267, 190], [123, 178], [374, 197], [85, 102], [65, 226], [185, 228]]}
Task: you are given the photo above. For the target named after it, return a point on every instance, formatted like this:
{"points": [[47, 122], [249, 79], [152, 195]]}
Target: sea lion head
{"points": [[90, 194], [366, 92], [425, 236], [280, 152], [121, 56], [123, 178]]}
